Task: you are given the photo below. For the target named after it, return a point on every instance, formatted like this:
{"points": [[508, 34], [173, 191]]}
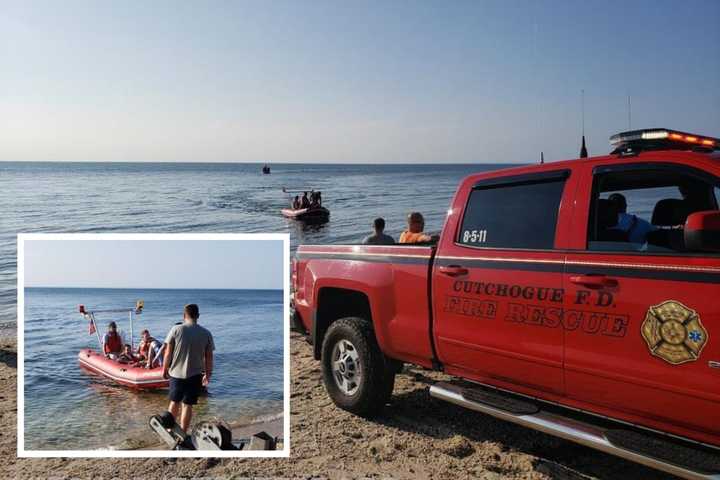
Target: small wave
{"points": [[264, 418]]}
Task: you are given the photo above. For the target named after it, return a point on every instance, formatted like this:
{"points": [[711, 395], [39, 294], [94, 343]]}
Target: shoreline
{"points": [[416, 438]]}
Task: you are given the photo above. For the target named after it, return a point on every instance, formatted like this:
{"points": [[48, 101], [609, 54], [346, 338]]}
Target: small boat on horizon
{"points": [[266, 169]]}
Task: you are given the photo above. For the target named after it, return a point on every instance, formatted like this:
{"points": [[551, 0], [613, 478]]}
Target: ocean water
{"points": [[68, 408], [163, 197]]}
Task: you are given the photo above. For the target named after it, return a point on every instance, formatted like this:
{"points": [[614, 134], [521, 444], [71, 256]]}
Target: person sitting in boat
{"points": [[127, 355], [314, 202], [155, 354], [304, 201], [144, 346], [112, 343], [414, 232], [296, 202]]}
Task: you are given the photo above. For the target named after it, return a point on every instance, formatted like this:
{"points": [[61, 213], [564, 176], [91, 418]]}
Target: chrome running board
{"points": [[564, 427]]}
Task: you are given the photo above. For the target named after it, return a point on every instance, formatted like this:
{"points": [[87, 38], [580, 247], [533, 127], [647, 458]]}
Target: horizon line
{"points": [[222, 162], [146, 288]]}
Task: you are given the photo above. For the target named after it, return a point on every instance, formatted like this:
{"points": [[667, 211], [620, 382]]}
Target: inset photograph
{"points": [[143, 345]]}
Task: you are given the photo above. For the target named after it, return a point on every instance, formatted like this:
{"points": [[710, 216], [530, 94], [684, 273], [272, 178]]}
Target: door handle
{"points": [[453, 270], [594, 281]]}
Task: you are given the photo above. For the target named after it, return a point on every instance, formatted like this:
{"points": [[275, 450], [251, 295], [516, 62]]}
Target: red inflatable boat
{"points": [[133, 377]]}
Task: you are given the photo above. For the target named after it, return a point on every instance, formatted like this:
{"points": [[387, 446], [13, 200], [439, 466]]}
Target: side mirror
{"points": [[702, 231]]}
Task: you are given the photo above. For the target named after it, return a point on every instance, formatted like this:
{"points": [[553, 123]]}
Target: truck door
{"points": [[642, 315], [497, 283]]}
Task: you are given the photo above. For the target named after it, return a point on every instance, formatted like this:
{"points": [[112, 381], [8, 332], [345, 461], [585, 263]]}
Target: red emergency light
{"points": [[81, 309], [661, 139]]}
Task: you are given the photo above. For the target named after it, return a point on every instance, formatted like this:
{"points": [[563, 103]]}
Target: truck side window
{"points": [[646, 210], [520, 215]]}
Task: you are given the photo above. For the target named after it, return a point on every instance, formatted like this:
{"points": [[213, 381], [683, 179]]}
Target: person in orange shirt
{"points": [[414, 232]]}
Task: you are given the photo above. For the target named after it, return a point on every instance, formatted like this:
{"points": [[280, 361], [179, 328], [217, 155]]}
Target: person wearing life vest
{"points": [[144, 346], [414, 232], [112, 343]]}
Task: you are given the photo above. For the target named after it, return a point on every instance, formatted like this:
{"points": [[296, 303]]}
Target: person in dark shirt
{"points": [[379, 237]]}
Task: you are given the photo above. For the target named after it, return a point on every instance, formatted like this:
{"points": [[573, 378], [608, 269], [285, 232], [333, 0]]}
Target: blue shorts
{"points": [[185, 390]]}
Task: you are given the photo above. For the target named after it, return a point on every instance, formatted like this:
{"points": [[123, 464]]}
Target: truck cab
{"points": [[588, 284]]}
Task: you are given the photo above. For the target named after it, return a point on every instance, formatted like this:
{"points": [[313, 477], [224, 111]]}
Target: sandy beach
{"points": [[417, 438]]}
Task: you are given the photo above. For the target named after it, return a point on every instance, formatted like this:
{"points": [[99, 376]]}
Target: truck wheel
{"points": [[355, 373]]}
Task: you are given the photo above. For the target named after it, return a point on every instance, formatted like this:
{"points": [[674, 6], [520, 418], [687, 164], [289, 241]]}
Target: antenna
{"points": [[629, 114], [542, 158], [582, 102], [583, 148]]}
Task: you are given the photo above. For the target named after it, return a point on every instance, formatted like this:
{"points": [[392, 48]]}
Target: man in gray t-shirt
{"points": [[188, 363]]}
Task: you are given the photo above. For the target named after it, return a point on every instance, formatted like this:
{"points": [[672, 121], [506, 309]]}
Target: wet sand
{"points": [[417, 438]]}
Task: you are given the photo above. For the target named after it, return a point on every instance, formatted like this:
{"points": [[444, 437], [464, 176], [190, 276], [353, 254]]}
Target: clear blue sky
{"points": [[196, 264], [332, 81]]}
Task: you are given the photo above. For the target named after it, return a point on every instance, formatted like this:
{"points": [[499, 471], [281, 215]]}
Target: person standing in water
{"points": [[188, 363]]}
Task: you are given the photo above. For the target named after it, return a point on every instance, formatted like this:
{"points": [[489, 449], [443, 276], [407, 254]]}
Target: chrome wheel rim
{"points": [[346, 367]]}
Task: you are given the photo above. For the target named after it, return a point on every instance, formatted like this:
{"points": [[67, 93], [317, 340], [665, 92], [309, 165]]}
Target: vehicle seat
{"points": [[669, 212], [607, 218]]}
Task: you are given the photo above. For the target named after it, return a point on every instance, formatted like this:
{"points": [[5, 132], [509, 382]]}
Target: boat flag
{"points": [[91, 328]]}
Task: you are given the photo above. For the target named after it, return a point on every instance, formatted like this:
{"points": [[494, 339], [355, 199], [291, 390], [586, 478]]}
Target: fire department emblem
{"points": [[674, 332]]}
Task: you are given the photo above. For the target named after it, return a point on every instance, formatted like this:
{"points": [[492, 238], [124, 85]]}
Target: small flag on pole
{"points": [[91, 328]]}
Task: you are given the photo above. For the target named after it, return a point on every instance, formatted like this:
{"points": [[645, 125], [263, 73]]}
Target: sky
{"points": [[364, 81], [192, 264]]}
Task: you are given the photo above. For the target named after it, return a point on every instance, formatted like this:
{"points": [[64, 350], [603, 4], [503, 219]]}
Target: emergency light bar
{"points": [[660, 139]]}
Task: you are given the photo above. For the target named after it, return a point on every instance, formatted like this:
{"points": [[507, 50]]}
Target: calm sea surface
{"points": [[68, 408], [162, 197]]}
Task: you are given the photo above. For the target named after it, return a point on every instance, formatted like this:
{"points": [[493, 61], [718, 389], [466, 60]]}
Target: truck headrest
{"points": [[669, 211]]}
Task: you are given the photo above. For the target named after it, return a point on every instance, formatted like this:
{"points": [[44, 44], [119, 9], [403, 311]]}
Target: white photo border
{"points": [[107, 453]]}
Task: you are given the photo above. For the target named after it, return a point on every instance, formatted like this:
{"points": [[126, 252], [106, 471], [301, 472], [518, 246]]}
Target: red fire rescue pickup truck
{"points": [[580, 298]]}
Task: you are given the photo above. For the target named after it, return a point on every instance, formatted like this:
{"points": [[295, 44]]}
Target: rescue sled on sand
{"points": [[133, 376]]}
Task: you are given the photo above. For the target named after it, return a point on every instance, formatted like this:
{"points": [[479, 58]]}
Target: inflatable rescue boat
{"points": [[124, 374], [121, 373], [317, 214]]}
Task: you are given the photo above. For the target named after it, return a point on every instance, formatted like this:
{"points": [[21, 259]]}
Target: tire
{"points": [[355, 372]]}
